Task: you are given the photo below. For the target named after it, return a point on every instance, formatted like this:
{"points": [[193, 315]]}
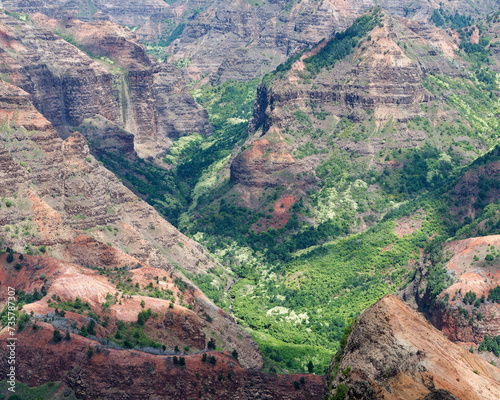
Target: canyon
{"points": [[210, 199]]}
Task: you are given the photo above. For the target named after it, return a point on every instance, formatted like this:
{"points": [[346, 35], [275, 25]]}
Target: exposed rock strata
{"points": [[112, 78], [380, 83]]}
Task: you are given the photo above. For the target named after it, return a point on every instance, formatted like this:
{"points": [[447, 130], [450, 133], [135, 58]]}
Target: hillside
{"points": [[58, 200], [211, 196], [392, 352], [91, 330], [219, 40]]}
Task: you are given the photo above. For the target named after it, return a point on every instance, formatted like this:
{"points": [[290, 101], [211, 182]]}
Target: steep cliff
{"points": [[55, 191], [392, 352], [108, 75]]}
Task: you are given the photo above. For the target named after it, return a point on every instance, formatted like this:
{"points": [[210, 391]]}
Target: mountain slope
{"points": [[237, 39], [59, 200]]}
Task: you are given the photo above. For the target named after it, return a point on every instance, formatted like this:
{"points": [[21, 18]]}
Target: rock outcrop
{"points": [[394, 353], [468, 322]]}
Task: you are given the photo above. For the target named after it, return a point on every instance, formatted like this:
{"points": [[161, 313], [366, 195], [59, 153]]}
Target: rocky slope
{"points": [[394, 353], [61, 180], [472, 274], [238, 39], [111, 77], [311, 127], [116, 293], [241, 39], [72, 298], [127, 374], [58, 199], [125, 12]]}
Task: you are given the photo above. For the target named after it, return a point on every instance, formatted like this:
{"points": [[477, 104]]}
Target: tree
{"points": [[235, 354], [182, 361], [78, 303], [57, 336], [83, 330], [211, 344], [310, 367], [176, 360], [296, 384], [10, 258], [91, 328], [204, 357], [67, 336], [143, 303], [212, 360]]}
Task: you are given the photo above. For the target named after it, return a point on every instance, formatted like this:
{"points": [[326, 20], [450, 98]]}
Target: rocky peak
{"points": [[394, 353]]}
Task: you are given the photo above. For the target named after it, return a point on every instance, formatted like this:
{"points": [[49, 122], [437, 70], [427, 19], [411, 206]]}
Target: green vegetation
{"points": [[131, 335], [160, 188], [20, 16], [342, 43], [494, 295], [491, 344], [176, 33], [443, 18]]}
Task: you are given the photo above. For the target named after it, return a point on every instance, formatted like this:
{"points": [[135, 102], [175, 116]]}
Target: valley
{"points": [[254, 200]]}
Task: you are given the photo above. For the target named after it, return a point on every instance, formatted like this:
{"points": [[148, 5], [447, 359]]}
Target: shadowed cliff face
{"points": [[112, 79], [394, 353]]}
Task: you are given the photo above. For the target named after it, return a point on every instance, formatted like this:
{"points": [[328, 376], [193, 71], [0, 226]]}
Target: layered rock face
{"points": [[114, 78], [55, 191], [394, 353], [300, 118], [239, 39], [130, 12]]}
